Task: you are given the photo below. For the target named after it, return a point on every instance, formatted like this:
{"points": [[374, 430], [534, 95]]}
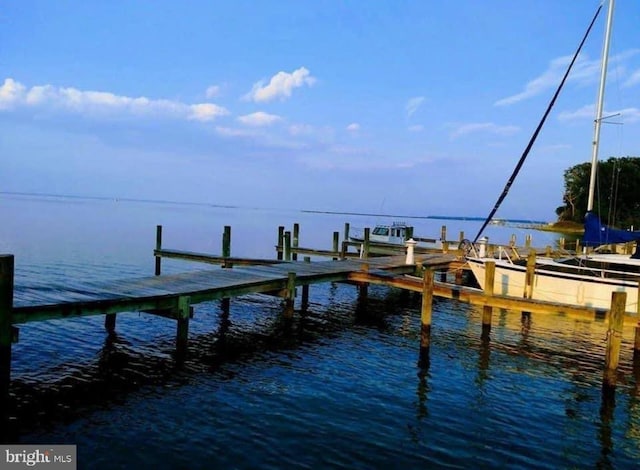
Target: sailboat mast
{"points": [[599, 108]]}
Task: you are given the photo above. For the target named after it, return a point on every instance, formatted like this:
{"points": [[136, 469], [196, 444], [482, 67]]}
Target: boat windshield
{"points": [[381, 231]]}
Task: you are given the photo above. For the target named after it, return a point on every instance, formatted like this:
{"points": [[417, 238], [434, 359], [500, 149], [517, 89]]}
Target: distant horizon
{"points": [[227, 206]]}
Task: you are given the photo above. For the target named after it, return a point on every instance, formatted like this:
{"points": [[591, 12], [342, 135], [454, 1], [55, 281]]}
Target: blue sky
{"points": [[409, 107]]}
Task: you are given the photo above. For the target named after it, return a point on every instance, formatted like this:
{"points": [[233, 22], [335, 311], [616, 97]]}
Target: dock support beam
{"points": [[336, 243], [425, 317], [6, 336], [614, 338]]}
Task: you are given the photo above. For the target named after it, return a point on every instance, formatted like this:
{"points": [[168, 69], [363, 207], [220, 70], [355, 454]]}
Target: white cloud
{"points": [[626, 115], [280, 86], [212, 91], [486, 127], [413, 104], [416, 128], [584, 71], [13, 94], [259, 119], [301, 129], [233, 132], [353, 127], [206, 111], [633, 80]]}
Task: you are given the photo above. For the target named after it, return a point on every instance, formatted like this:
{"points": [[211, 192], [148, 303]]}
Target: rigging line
{"points": [[505, 191]]}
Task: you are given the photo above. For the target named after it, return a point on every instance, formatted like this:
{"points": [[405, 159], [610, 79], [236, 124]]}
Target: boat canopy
{"points": [[597, 234]]}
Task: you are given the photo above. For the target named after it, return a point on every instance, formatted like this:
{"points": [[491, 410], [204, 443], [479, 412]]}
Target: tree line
{"points": [[617, 197]]}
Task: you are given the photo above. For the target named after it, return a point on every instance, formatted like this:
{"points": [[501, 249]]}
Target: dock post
{"points": [[548, 251], [226, 245], [110, 322], [614, 338], [182, 330], [336, 243], [304, 303], [363, 288], [290, 295], [425, 317], [366, 244], [295, 241], [529, 276], [280, 246], [158, 248], [6, 327], [527, 241], [345, 241], [487, 310], [561, 244], [287, 246]]}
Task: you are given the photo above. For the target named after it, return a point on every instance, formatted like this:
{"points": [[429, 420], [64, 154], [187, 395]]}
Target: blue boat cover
{"points": [[596, 233]]}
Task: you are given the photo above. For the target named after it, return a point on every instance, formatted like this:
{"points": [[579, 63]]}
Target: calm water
{"points": [[338, 388]]}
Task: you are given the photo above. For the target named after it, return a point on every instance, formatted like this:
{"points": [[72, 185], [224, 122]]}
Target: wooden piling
{"points": [[290, 295], [226, 242], [182, 331], [295, 240], [336, 243], [366, 243], [489, 278], [304, 302], [110, 322], [6, 308], [529, 276], [614, 338], [425, 316], [158, 247], [280, 246], [287, 246]]}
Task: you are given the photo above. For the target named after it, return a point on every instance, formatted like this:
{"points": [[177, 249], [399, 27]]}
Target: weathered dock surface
{"points": [[160, 294]]}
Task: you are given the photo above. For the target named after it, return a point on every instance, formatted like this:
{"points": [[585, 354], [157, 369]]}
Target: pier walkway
{"points": [[161, 294]]}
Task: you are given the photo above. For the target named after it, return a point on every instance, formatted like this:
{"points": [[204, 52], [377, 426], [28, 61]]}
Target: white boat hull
{"points": [[561, 287]]}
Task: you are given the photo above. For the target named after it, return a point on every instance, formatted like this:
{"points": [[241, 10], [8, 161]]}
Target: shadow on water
{"points": [[123, 366]]}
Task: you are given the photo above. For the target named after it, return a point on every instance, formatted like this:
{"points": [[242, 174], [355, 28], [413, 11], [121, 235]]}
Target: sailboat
{"points": [[588, 279]]}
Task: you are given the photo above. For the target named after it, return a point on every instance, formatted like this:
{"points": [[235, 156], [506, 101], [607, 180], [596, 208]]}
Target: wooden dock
{"points": [[172, 296]]}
